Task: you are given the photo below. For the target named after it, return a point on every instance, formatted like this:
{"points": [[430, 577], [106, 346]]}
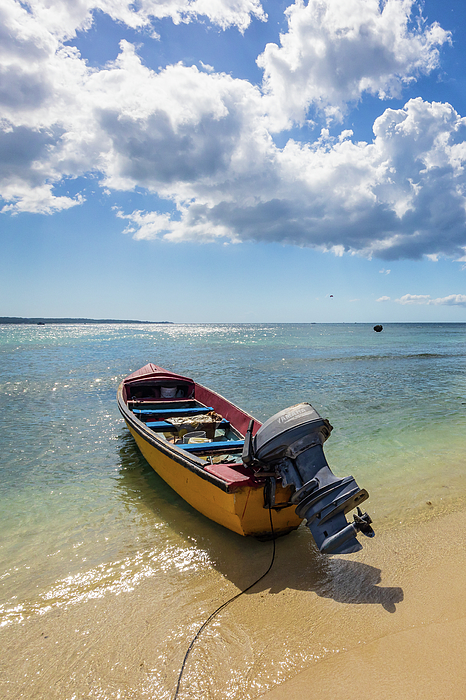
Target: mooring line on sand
{"points": [[221, 607]]}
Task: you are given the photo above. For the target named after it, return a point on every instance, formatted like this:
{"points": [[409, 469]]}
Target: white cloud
{"points": [[150, 225], [206, 67], [414, 299], [451, 300], [383, 299], [202, 139], [336, 50], [38, 199], [63, 18], [384, 272]]}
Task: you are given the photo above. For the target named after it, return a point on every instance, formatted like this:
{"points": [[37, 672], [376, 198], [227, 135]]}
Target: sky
{"points": [[233, 160]]}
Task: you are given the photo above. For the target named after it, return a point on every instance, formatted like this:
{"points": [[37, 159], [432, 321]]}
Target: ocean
{"points": [[106, 574]]}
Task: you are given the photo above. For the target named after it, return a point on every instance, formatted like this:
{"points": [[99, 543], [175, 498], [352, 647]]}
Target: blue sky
{"points": [[233, 160]]}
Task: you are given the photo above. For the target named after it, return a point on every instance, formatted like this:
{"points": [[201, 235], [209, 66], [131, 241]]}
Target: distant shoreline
{"points": [[45, 321]]}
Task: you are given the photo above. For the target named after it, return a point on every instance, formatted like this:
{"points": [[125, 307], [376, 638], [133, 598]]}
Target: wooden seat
{"points": [[197, 411], [227, 446], [162, 425], [167, 427]]}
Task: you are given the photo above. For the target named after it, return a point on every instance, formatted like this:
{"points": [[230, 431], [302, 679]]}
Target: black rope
{"points": [[224, 605]]}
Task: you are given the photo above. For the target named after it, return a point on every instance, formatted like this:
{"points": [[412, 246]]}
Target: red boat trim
{"points": [[227, 477], [200, 468]]}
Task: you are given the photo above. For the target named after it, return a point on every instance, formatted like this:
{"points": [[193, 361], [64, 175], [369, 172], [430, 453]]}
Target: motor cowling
{"points": [[290, 445]]}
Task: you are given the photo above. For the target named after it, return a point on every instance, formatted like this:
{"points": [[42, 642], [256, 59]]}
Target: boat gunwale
{"points": [[186, 460]]}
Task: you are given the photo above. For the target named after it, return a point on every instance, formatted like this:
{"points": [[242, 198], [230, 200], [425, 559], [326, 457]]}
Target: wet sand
{"points": [[419, 650], [387, 623]]}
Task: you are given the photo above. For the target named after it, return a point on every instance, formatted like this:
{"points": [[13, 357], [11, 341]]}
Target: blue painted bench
{"points": [[210, 447], [167, 427], [172, 412]]}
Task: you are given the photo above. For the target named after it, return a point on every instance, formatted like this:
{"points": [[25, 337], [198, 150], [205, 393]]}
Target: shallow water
{"points": [[87, 527]]}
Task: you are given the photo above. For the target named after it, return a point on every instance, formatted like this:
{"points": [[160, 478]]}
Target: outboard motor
{"points": [[290, 445]]}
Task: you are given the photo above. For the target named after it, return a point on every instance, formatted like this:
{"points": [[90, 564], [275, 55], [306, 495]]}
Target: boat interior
{"points": [[169, 408]]}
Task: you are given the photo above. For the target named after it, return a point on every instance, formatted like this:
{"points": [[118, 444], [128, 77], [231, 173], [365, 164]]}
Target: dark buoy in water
{"points": [[378, 328]]}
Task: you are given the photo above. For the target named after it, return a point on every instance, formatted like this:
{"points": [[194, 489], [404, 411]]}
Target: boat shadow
{"points": [[298, 565]]}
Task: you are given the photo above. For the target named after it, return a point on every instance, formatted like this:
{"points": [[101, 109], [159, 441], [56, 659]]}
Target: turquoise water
{"points": [[84, 516]]}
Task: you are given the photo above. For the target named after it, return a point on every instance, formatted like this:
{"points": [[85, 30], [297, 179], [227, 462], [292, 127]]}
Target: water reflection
{"points": [[298, 564]]}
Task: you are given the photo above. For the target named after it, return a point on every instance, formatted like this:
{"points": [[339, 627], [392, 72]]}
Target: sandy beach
{"points": [[390, 623], [416, 651]]}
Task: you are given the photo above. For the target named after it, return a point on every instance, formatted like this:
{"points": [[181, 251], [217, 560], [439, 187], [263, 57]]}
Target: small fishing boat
{"points": [[236, 471]]}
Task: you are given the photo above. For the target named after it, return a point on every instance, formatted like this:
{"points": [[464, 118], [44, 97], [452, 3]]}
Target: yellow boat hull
{"points": [[241, 510]]}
